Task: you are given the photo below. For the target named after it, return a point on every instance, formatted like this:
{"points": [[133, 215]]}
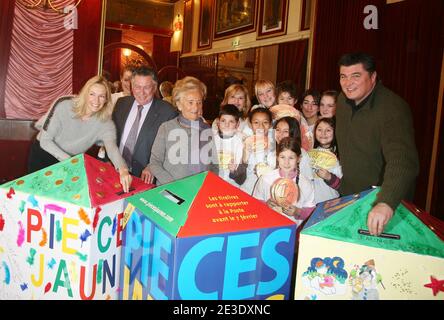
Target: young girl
{"points": [[326, 167], [327, 108], [310, 110], [289, 127], [259, 150], [284, 189]]}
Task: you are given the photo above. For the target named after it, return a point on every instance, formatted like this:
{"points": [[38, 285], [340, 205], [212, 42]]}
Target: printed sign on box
{"points": [[61, 232], [202, 238], [338, 259]]}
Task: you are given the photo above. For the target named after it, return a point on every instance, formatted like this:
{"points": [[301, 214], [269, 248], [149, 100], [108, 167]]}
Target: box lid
{"points": [[349, 224], [80, 180], [205, 204]]}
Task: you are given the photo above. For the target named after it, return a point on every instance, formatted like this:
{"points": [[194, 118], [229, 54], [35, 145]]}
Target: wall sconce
{"points": [[47, 4], [126, 52], [178, 24]]}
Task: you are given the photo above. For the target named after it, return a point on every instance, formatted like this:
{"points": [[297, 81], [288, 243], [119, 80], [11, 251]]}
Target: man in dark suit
{"points": [[137, 119]]}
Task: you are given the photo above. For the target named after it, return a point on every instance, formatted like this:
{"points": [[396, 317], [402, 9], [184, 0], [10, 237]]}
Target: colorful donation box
{"points": [[61, 231], [202, 238], [339, 259]]}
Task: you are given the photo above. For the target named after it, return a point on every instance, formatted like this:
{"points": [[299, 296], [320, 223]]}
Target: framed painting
{"points": [[205, 25], [234, 17], [272, 18], [187, 26], [306, 14]]}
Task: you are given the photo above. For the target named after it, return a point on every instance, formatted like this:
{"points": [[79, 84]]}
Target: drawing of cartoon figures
{"points": [[326, 275], [364, 281]]}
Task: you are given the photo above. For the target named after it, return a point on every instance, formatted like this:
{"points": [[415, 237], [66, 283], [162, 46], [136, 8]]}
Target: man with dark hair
{"points": [[137, 120], [375, 139]]}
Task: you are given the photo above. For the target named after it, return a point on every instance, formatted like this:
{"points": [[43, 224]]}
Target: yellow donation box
{"points": [[338, 259]]}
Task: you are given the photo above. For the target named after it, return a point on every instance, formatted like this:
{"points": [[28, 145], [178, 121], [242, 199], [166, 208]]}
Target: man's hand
{"points": [[147, 176], [378, 218]]}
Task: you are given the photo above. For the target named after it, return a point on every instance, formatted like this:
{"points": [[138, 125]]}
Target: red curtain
{"points": [[7, 14], [292, 62], [40, 62], [82, 65], [86, 43], [339, 29], [408, 48]]}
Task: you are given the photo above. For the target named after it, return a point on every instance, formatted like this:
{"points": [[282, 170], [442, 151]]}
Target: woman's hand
{"points": [[125, 179]]}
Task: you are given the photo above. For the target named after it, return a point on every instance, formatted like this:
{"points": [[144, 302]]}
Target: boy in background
{"points": [[228, 142]]}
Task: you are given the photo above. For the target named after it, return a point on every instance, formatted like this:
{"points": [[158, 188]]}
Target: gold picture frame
{"points": [[205, 26], [234, 17], [272, 18]]}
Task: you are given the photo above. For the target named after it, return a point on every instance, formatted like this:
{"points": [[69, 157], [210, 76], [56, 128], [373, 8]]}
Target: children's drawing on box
{"points": [[364, 281], [7, 273], [21, 234], [326, 275], [31, 199], [401, 282], [72, 269], [51, 263], [24, 286], [31, 256], [84, 236]]}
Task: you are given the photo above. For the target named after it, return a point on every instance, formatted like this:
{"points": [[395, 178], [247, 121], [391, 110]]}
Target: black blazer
{"points": [[160, 111]]}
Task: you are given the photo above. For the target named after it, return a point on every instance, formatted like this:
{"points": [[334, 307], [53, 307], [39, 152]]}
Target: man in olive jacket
{"points": [[375, 139]]}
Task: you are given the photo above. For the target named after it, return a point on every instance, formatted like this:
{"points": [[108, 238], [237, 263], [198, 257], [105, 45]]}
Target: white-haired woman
{"points": [[184, 145]]}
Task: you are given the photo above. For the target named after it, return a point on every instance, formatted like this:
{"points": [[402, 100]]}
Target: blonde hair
{"points": [[81, 100], [232, 90], [186, 84], [261, 84]]}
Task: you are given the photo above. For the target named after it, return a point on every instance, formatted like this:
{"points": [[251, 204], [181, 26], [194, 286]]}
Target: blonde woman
{"points": [[265, 92], [75, 124], [236, 94]]}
